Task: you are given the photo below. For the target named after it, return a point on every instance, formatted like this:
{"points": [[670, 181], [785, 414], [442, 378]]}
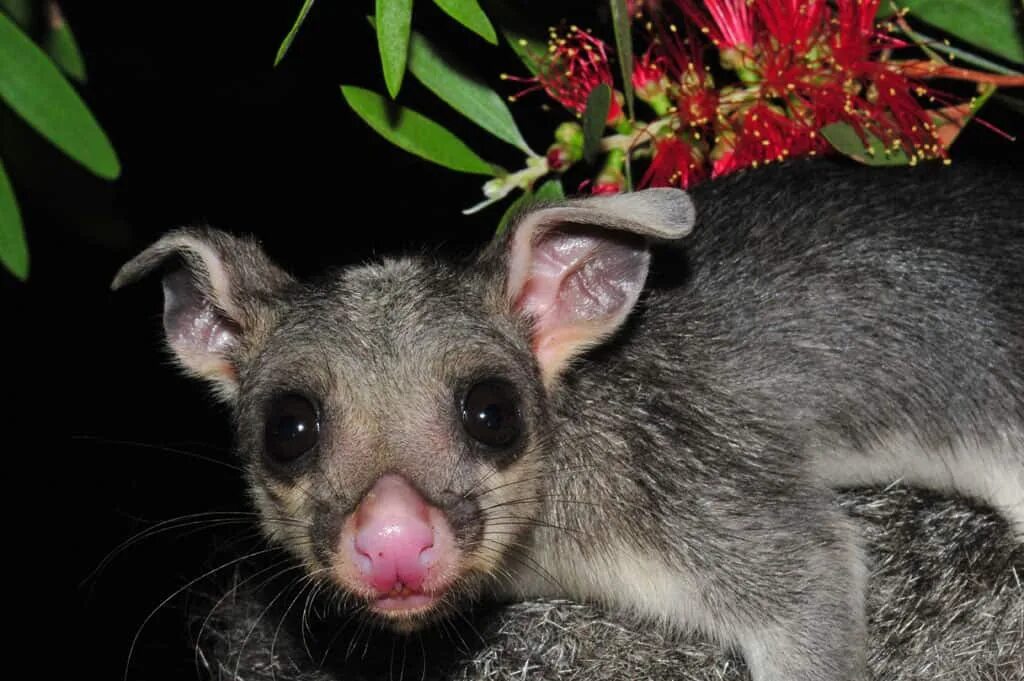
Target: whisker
{"points": [[472, 488], [305, 629], [357, 610], [202, 519], [423, 657], [233, 592], [546, 497], [362, 623], [187, 585], [405, 650], [391, 661], [369, 635], [472, 627], [514, 521], [264, 611], [545, 475], [163, 449], [498, 570], [526, 560], [307, 584]]}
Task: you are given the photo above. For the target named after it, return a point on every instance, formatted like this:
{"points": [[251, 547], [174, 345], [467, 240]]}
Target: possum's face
{"points": [[395, 420], [394, 433]]}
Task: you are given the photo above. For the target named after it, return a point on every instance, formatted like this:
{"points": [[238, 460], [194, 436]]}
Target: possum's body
{"points": [[862, 343], [528, 424], [890, 331], [945, 603]]}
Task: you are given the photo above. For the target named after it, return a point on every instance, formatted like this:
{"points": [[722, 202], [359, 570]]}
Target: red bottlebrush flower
{"points": [[804, 64], [763, 135], [797, 66], [649, 79], [795, 24], [576, 63], [877, 98], [901, 118], [697, 108], [675, 164], [856, 26], [729, 23], [692, 85]]}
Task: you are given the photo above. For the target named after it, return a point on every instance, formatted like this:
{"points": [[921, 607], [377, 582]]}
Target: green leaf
{"points": [[513, 209], [13, 249], [624, 47], [413, 132], [19, 10], [595, 118], [469, 14], [393, 20], [846, 141], [468, 95], [287, 42], [519, 35], [529, 50], [61, 45], [989, 24], [34, 88], [549, 191]]}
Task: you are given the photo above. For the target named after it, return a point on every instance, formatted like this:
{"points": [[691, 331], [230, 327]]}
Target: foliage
{"points": [[33, 87], [727, 84]]}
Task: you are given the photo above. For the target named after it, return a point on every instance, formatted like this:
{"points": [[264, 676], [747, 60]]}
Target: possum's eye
{"points": [[292, 427], [490, 413]]}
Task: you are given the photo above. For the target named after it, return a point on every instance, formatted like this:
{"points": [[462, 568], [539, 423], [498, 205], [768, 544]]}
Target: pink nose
{"points": [[394, 537]]}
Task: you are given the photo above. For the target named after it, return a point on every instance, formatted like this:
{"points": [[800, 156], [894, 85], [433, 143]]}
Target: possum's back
{"points": [[872, 312]]}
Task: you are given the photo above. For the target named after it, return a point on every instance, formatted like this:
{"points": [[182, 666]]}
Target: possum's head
{"points": [[394, 419]]}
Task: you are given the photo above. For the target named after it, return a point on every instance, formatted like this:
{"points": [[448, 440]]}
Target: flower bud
{"points": [[570, 134], [495, 188], [558, 157]]}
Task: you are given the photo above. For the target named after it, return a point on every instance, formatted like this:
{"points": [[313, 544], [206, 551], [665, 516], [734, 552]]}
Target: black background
{"points": [[207, 133]]}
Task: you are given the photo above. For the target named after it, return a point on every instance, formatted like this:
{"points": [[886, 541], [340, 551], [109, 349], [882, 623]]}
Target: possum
{"points": [[645, 401], [945, 602]]}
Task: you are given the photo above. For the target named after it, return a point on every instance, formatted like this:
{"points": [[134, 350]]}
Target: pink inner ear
{"points": [[579, 287], [196, 331]]}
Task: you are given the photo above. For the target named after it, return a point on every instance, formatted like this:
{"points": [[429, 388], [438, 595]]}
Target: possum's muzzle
{"points": [[396, 551]]}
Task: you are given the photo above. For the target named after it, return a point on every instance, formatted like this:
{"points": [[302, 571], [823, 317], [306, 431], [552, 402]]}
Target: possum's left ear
{"points": [[576, 268], [219, 292]]}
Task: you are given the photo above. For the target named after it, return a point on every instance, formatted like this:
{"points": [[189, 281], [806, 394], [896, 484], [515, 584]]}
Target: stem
{"points": [[975, 60], [645, 132], [500, 187], [921, 68]]}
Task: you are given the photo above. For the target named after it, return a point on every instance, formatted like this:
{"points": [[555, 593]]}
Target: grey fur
{"points": [[822, 326], [945, 603]]}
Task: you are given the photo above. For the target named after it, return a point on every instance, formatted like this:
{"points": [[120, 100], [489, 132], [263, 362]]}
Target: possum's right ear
{"points": [[219, 291]]}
